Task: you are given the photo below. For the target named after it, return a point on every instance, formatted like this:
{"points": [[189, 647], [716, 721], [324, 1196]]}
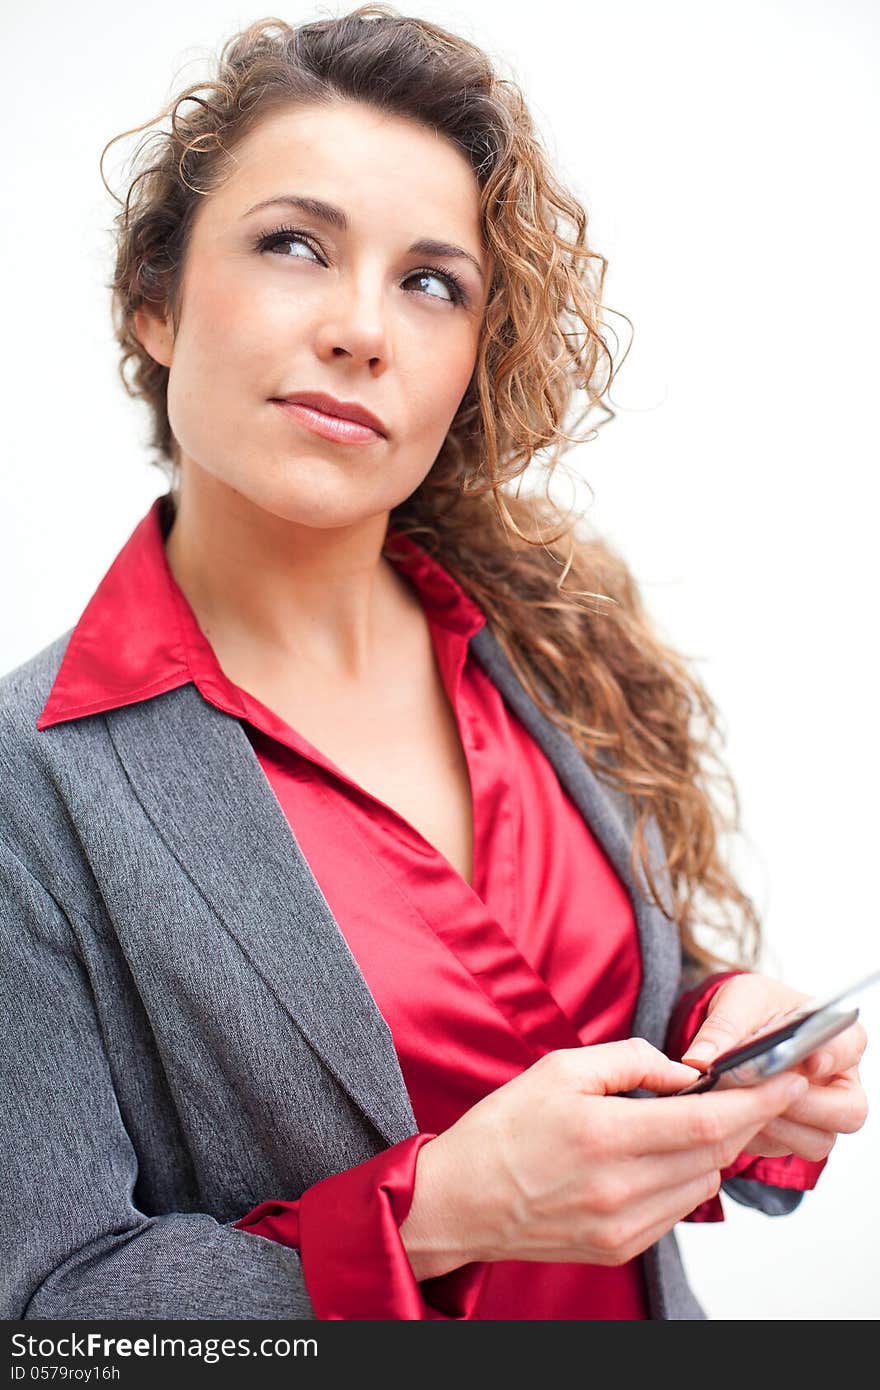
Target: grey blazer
{"points": [[185, 1032]]}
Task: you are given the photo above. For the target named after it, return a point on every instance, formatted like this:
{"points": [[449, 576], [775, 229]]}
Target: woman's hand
{"points": [[835, 1102], [555, 1165]]}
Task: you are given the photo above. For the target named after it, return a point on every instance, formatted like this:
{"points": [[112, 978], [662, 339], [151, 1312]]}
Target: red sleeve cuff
{"points": [[355, 1266], [687, 1018]]}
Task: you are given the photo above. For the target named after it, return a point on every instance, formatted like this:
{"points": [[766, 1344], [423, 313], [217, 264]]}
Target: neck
{"points": [[269, 588]]}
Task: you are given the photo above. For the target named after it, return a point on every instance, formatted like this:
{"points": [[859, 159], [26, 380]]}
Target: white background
{"points": [[727, 158]]}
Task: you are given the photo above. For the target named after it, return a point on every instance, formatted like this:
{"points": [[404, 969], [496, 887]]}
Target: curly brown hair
{"points": [[587, 654]]}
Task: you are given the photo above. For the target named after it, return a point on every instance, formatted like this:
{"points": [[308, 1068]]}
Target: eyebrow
{"points": [[326, 212]]}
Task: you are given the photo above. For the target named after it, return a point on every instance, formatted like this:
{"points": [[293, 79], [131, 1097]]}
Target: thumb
{"points": [[731, 1018], [610, 1068]]}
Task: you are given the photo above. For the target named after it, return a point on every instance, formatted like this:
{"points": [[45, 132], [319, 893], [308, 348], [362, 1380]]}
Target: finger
{"points": [[658, 1175], [839, 1055], [646, 1222], [682, 1202], [786, 1137], [668, 1123], [732, 1016], [606, 1069], [840, 1107], [762, 1146], [818, 1065]]}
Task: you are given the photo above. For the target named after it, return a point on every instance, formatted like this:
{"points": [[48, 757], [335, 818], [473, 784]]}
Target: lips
{"points": [[343, 410]]}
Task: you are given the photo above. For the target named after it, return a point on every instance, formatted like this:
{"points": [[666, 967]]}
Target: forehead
{"points": [[372, 164]]}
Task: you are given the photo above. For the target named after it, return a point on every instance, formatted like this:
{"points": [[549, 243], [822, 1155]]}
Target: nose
{"points": [[354, 321]]}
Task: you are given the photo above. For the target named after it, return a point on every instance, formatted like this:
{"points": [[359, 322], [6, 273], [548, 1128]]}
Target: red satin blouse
{"points": [[476, 981]]}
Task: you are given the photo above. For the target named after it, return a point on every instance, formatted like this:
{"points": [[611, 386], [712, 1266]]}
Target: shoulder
{"points": [[30, 801], [25, 689]]}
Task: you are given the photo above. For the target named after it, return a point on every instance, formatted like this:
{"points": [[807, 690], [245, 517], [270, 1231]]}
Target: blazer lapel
{"points": [[202, 787], [609, 813]]}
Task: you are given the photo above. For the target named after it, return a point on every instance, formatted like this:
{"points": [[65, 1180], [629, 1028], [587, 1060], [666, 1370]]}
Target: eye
{"points": [[280, 236], [288, 235], [452, 282]]}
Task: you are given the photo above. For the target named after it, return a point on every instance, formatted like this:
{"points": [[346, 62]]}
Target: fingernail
{"points": [[822, 1062], [702, 1051], [797, 1086]]}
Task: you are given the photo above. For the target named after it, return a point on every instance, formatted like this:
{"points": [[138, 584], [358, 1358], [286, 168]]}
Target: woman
{"points": [[350, 839]]}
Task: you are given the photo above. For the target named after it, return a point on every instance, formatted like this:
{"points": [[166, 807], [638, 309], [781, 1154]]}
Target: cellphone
{"points": [[778, 1049]]}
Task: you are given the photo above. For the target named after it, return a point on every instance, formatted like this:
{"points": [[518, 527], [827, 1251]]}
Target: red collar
{"points": [[139, 637]]}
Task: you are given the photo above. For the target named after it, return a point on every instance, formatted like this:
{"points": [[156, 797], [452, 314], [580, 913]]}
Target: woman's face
{"points": [[353, 312]]}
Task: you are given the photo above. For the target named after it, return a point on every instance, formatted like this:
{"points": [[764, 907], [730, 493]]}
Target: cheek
{"points": [[223, 332], [443, 378], [212, 370]]}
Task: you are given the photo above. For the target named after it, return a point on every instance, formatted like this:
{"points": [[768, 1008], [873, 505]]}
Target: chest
{"points": [[413, 762], [397, 738]]}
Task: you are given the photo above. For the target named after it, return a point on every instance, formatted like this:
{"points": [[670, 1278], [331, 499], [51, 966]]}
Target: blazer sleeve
{"points": [[75, 1244]]}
